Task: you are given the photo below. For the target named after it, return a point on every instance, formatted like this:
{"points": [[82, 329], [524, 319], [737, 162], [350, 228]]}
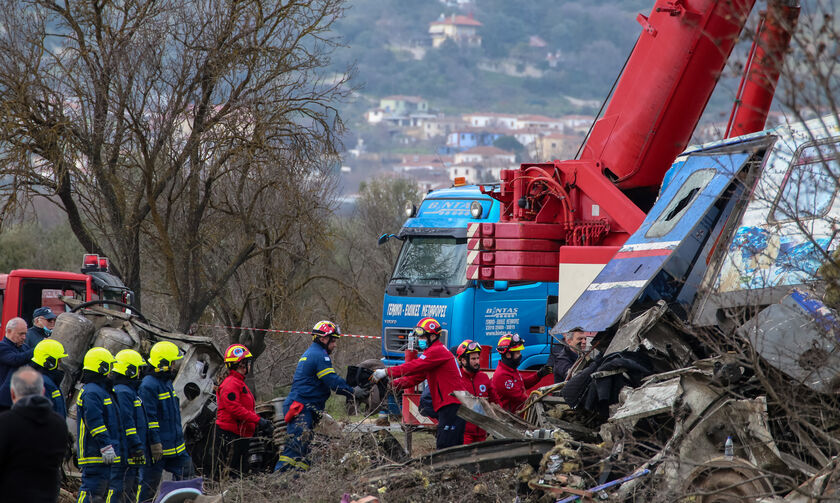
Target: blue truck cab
{"points": [[429, 279]]}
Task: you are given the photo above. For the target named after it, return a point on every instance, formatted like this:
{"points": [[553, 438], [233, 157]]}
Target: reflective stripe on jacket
{"points": [[163, 413], [132, 416], [98, 424], [315, 377]]}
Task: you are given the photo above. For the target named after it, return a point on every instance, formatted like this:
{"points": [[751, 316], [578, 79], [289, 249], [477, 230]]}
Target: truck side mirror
{"points": [[500, 286], [383, 239]]}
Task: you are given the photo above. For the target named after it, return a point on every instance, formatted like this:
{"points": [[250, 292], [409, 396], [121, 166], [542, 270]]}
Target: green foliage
{"points": [[509, 143], [29, 245], [593, 37]]}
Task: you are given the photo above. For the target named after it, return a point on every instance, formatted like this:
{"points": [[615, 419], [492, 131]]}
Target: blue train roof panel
{"points": [[684, 202]]}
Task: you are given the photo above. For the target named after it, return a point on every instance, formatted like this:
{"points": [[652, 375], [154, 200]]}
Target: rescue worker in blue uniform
{"points": [[45, 358], [163, 413], [99, 427], [314, 380], [125, 477]]}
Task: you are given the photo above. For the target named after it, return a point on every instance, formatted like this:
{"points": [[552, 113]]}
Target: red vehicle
{"points": [[24, 290], [564, 220]]}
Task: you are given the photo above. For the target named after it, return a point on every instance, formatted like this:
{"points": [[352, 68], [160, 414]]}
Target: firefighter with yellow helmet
{"points": [[45, 359], [125, 376], [163, 415], [99, 427], [236, 418]]}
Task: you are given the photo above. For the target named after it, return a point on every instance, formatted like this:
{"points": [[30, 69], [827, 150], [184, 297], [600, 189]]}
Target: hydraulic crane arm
{"points": [[580, 212], [761, 74]]}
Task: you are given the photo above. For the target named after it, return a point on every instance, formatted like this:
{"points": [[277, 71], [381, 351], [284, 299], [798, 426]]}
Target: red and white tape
{"points": [[358, 336]]}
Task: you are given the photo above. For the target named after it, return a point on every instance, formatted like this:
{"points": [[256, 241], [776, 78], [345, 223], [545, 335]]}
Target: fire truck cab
{"points": [[24, 290]]}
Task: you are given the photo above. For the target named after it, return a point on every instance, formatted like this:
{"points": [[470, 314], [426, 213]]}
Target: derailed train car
{"points": [[737, 224]]}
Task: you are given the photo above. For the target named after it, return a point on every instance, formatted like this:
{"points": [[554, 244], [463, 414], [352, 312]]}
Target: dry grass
{"points": [[339, 466]]}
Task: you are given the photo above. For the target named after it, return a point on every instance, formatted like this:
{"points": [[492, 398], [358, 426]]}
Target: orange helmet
{"points": [[236, 353], [510, 342], [325, 327], [427, 326], [467, 347]]}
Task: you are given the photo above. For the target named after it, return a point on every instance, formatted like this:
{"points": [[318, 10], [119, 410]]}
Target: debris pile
{"points": [[666, 413]]}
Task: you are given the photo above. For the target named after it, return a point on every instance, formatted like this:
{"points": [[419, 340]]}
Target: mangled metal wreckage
{"points": [[715, 364], [91, 326]]}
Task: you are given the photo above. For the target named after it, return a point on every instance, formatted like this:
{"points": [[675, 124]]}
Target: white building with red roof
{"points": [[463, 30]]}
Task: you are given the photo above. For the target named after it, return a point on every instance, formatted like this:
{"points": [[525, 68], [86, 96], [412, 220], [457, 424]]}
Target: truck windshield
{"points": [[432, 261]]}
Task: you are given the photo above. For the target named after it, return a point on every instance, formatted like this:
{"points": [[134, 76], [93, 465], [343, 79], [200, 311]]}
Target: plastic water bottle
{"points": [[728, 448]]}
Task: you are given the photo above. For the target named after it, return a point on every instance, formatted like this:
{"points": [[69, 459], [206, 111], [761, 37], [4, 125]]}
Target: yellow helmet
{"points": [[98, 360], [47, 353], [162, 355], [128, 363]]}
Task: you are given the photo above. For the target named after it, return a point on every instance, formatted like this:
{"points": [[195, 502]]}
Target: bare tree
{"points": [[170, 128]]}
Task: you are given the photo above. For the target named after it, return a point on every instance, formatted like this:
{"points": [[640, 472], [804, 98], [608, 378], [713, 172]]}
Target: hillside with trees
{"points": [[587, 41]]}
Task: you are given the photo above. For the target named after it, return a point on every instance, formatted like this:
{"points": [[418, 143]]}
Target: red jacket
{"points": [[439, 368], [236, 406], [510, 388], [478, 385]]}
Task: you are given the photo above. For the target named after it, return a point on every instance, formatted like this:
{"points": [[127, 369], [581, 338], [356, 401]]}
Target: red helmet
{"points": [[236, 353], [510, 342], [427, 326], [325, 327], [467, 347]]}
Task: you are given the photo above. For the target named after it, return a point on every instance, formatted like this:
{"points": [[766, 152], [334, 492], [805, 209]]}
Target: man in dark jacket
{"points": [[13, 353], [32, 443], [565, 354], [43, 321]]}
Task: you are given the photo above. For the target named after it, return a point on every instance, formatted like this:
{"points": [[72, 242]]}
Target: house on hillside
{"points": [[556, 146], [538, 122], [527, 136], [468, 137], [403, 105], [577, 123], [423, 163], [487, 119], [463, 30], [441, 126], [487, 156], [400, 111], [481, 164]]}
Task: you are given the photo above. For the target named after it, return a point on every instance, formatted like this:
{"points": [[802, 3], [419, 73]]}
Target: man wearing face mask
{"points": [[315, 379], [438, 366], [507, 382], [43, 322]]}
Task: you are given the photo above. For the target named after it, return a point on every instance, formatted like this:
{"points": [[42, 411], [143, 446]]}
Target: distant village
{"points": [[435, 148], [462, 146]]}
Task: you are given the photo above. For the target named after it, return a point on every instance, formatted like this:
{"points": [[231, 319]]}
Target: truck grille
{"points": [[396, 338]]}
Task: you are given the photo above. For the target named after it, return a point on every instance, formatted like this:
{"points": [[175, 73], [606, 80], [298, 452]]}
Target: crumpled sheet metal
{"points": [[796, 342]]}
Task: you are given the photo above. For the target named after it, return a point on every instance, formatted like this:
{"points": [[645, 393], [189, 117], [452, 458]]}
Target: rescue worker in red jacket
{"points": [[507, 382], [236, 419], [476, 382], [437, 364]]}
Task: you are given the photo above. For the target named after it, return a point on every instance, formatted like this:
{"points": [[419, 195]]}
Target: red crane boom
{"points": [[575, 214]]}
